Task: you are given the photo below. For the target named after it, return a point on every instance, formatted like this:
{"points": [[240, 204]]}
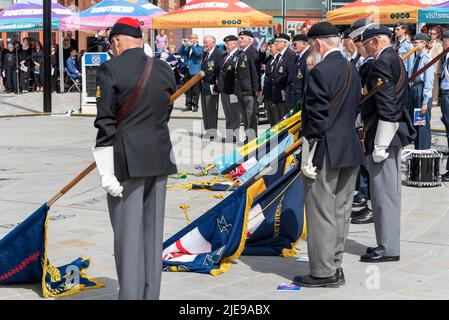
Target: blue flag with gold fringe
{"points": [[276, 221], [212, 241], [266, 218], [23, 259]]}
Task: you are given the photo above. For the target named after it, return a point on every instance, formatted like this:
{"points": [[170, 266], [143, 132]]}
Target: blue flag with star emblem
{"points": [[211, 242]]}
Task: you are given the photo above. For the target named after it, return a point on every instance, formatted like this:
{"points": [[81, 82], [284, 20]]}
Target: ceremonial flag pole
{"points": [[189, 84], [412, 77]]}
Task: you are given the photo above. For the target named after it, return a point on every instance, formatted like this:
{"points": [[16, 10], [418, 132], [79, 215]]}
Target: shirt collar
{"points": [[329, 52], [303, 51], [378, 55]]}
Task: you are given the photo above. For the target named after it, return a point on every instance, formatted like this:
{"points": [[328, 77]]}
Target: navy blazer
{"points": [[333, 128]]}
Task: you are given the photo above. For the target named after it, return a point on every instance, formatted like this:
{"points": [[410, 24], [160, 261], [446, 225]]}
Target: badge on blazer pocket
{"points": [[98, 92]]}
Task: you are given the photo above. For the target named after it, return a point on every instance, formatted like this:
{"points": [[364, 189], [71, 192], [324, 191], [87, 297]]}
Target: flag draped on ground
{"points": [[276, 221], [233, 159], [272, 227], [23, 259], [212, 241]]}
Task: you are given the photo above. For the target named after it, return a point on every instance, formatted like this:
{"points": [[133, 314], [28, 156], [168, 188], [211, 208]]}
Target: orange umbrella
{"points": [[213, 14], [382, 11]]}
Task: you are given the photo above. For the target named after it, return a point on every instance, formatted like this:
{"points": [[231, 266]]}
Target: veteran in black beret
{"points": [[132, 153], [298, 74], [349, 48], [247, 82], [226, 87], [331, 155], [281, 65], [388, 128]]}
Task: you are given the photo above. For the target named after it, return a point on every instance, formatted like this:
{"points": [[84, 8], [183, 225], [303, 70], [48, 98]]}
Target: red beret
{"points": [[127, 26]]}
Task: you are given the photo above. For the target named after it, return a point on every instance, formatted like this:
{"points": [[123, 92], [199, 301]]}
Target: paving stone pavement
{"points": [[39, 155]]}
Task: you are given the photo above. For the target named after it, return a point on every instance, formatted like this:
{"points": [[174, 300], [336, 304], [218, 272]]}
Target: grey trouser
{"points": [[328, 201], [281, 110], [138, 224], [271, 112], [249, 115], [232, 114], [209, 106], [385, 187]]}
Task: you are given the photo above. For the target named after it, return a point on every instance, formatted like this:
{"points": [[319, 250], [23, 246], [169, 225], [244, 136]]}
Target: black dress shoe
{"points": [[187, 109], [195, 109], [357, 213], [370, 250], [312, 282], [445, 177], [375, 257], [340, 276], [359, 201], [364, 218]]}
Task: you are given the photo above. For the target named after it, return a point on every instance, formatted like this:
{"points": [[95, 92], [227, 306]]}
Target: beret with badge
{"points": [[126, 26], [322, 30], [246, 33], [300, 37], [375, 31], [230, 38]]}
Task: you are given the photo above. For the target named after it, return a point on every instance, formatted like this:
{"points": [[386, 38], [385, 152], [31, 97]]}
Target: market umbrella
{"points": [[437, 14], [213, 14], [105, 13], [29, 16], [382, 11]]}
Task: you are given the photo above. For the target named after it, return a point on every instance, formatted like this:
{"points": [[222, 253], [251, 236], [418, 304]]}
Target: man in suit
{"points": [[248, 82], [209, 91], [283, 62], [226, 88], [133, 159], [331, 154], [298, 74], [388, 128], [193, 52], [268, 83]]}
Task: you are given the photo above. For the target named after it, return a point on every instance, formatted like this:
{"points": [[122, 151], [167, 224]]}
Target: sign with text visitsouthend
{"points": [[29, 16], [436, 14], [105, 13], [381, 11], [213, 14]]}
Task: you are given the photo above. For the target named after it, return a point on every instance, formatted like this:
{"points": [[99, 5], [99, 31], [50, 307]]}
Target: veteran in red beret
{"points": [[132, 153]]}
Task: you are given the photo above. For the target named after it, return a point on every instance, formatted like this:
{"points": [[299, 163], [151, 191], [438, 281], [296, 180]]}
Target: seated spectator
{"points": [[72, 67]]}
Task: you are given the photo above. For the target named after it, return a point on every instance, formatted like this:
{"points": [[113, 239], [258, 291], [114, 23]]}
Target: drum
{"points": [[423, 168]]}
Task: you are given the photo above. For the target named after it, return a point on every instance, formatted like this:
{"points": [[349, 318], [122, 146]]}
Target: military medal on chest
{"points": [[211, 65], [299, 74]]}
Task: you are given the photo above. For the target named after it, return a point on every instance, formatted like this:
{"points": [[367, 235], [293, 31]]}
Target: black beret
{"points": [[230, 38], [300, 37], [358, 24], [372, 32], [126, 26], [401, 24], [422, 36], [246, 33], [445, 34], [322, 30], [346, 34], [282, 36]]}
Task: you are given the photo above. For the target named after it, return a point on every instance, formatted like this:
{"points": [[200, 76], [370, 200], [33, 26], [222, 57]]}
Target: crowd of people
{"points": [[21, 64], [401, 75]]}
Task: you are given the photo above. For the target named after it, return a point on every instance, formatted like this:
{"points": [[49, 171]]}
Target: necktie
{"points": [[274, 63], [415, 67]]}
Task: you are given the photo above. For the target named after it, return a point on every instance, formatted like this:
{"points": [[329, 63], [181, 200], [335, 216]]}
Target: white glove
{"points": [[384, 134], [104, 157], [359, 121], [307, 167]]}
